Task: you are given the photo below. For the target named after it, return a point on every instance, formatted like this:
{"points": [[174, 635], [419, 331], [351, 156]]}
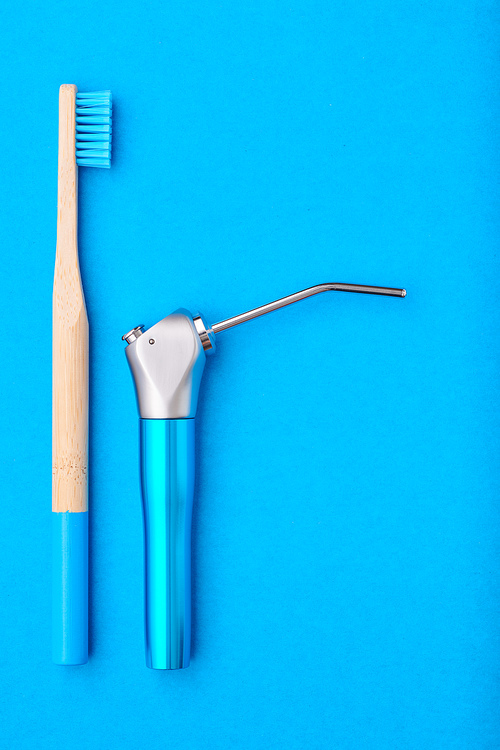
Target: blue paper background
{"points": [[346, 531]]}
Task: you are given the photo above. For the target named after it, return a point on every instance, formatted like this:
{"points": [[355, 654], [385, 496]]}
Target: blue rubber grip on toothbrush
{"points": [[70, 552], [167, 479]]}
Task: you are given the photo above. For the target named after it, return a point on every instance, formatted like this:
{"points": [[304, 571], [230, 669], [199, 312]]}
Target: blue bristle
{"points": [[98, 113], [85, 136], [93, 162], [93, 120], [93, 129], [90, 153], [101, 145]]}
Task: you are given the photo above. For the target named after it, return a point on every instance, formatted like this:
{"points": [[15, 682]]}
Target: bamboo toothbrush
{"points": [[84, 139]]}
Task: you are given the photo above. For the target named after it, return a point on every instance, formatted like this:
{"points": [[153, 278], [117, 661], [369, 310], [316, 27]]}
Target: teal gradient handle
{"points": [[167, 478]]}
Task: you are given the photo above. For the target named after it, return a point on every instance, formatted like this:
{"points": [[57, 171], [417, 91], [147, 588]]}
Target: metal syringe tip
{"points": [[279, 303]]}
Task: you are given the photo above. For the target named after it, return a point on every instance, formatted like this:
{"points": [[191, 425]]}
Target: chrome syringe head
{"points": [[167, 360]]}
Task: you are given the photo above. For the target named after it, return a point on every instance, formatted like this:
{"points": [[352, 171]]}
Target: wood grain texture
{"points": [[70, 343]]}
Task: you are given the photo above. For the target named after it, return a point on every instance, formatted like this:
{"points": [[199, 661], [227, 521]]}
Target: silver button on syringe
{"points": [[133, 334]]}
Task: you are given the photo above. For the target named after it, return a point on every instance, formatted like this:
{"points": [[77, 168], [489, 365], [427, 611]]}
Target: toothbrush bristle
{"points": [[93, 129]]}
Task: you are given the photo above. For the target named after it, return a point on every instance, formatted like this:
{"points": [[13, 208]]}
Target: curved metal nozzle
{"points": [[284, 301]]}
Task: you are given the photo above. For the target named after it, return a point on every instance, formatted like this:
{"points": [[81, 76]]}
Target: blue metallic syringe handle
{"points": [[167, 477], [167, 364]]}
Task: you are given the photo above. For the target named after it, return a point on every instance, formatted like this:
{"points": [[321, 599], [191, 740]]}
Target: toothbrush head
{"points": [[93, 129]]}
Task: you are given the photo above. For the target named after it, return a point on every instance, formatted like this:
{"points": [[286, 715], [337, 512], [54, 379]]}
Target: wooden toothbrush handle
{"points": [[70, 362]]}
